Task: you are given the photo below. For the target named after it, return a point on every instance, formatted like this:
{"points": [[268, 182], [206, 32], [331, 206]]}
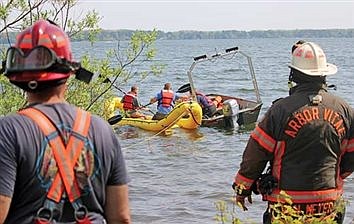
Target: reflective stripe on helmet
{"points": [[26, 42], [44, 40]]}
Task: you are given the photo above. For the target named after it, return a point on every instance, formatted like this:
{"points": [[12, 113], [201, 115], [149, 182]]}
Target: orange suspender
{"points": [[65, 157]]}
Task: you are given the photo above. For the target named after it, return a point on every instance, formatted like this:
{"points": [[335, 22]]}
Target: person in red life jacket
{"points": [[307, 141], [165, 101], [131, 104], [207, 105], [63, 164]]}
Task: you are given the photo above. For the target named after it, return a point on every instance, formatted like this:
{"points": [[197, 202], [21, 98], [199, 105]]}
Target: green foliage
{"points": [[99, 92], [11, 98], [90, 23], [282, 213], [287, 213], [224, 215], [3, 12]]}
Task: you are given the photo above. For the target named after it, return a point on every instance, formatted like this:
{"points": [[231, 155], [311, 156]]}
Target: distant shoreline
{"points": [[114, 35], [231, 34]]}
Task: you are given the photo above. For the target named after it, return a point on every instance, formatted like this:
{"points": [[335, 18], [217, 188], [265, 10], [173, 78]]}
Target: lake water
{"points": [[179, 178]]}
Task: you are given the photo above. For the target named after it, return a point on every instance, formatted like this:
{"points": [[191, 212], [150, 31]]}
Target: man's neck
{"points": [[51, 100], [54, 95]]}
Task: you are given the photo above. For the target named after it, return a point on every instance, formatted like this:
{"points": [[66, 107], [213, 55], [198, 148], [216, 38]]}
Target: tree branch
{"points": [[22, 16]]}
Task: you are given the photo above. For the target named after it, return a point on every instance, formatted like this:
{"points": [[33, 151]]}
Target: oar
{"points": [[185, 88], [145, 106], [115, 119], [109, 81]]}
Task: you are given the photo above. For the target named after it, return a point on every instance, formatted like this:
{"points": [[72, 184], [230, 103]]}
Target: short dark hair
{"points": [[134, 88], [167, 86]]}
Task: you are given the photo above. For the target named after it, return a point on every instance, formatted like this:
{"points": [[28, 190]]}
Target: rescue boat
{"points": [[187, 115]]}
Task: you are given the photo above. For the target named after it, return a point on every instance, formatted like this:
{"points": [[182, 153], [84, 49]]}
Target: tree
{"points": [[15, 15]]}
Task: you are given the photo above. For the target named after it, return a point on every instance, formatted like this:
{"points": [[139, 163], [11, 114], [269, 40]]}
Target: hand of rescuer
{"points": [[241, 195], [240, 201], [153, 100], [144, 108]]}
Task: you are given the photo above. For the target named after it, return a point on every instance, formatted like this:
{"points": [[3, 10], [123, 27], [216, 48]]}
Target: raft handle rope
{"points": [[158, 133], [191, 114]]}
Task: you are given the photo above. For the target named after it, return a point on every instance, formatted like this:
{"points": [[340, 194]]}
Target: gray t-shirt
{"points": [[27, 166]]}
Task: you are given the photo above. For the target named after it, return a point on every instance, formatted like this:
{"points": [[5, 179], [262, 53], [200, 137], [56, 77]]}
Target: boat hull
{"points": [[246, 115]]}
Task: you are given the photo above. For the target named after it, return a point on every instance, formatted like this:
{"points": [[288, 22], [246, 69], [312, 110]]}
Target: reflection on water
{"points": [[127, 132]]}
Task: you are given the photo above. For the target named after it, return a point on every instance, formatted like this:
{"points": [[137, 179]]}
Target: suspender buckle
{"points": [[81, 215], [44, 216]]}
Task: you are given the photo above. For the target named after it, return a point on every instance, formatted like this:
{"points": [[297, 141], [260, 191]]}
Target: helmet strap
{"points": [[38, 86], [64, 66]]}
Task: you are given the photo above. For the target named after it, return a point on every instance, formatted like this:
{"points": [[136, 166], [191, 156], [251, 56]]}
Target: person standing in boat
{"points": [[59, 163], [131, 104], [307, 141], [165, 101]]}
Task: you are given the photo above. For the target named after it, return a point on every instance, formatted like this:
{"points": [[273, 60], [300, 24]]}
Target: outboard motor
{"points": [[230, 110]]}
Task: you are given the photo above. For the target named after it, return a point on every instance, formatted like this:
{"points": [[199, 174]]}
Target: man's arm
{"points": [[5, 202], [153, 100], [117, 209]]}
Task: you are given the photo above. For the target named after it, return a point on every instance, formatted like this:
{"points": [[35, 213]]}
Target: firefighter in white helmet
{"points": [[306, 140]]}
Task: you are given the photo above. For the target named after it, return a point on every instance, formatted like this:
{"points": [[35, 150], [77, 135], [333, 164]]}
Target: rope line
{"points": [[158, 133], [194, 119]]}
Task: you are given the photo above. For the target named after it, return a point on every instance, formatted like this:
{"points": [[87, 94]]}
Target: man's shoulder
{"points": [[277, 100], [9, 121]]}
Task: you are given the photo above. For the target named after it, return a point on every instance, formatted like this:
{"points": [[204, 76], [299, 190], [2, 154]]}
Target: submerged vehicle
{"points": [[231, 110]]}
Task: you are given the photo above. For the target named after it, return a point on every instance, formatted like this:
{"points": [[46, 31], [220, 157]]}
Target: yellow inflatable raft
{"points": [[111, 106], [193, 119], [186, 115]]}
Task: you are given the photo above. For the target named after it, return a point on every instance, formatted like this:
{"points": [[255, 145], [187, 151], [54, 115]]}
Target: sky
{"points": [[214, 15]]}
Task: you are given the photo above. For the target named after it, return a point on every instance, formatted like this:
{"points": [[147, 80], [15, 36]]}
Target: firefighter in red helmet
{"points": [[63, 164], [41, 58]]}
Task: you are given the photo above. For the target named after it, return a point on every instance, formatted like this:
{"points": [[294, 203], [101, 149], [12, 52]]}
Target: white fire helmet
{"points": [[310, 59]]}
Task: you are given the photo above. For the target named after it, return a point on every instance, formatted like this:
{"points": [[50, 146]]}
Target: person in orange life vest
{"points": [[165, 101], [217, 100], [63, 164], [208, 106], [131, 104], [307, 140]]}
